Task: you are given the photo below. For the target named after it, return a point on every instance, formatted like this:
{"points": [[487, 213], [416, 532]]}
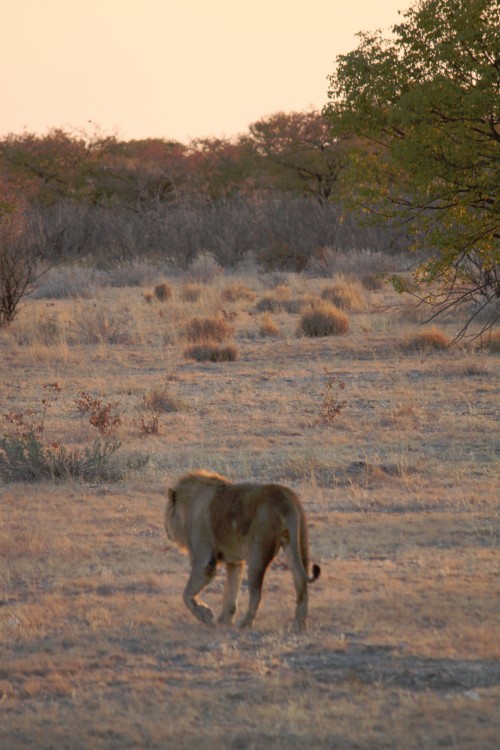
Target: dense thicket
{"points": [[274, 192]]}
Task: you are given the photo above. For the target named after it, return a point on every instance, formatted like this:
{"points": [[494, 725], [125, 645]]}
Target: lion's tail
{"points": [[296, 528]]}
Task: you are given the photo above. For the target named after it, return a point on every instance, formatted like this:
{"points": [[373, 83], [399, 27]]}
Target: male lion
{"points": [[215, 520]]}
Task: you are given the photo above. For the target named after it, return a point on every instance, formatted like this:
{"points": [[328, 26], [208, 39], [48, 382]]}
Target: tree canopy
{"points": [[423, 107]]}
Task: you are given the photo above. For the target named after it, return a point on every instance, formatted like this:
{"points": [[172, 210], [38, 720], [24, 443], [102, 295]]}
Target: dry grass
{"points": [[324, 320], [191, 292], [267, 326], [211, 353], [346, 294], [199, 330], [430, 339], [400, 487]]}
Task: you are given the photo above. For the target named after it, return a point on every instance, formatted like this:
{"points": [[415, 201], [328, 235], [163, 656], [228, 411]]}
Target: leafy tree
{"points": [[298, 153], [424, 107]]}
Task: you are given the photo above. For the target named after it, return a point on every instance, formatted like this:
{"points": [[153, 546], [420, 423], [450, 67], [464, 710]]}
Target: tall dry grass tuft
{"points": [[268, 326], [346, 295], [324, 320], [191, 292], [431, 339], [203, 330]]}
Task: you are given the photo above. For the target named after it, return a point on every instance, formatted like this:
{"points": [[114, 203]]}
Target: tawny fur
{"points": [[218, 521]]}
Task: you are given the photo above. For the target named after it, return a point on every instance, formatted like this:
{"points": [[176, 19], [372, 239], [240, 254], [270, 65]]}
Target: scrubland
{"points": [[390, 437]]}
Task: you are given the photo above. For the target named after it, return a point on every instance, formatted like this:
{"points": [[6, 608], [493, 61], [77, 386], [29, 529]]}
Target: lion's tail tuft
{"points": [[316, 570]]}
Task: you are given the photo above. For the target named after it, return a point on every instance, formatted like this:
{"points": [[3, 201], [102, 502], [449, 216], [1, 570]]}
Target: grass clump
{"points": [[324, 320], [199, 330], [267, 326], [211, 353], [346, 295], [237, 293], [431, 339], [191, 292], [163, 292]]}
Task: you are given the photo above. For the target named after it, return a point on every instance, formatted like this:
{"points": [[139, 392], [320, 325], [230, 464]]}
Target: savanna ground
{"points": [[394, 451]]}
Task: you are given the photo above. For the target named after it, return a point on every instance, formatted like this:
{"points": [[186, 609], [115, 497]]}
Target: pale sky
{"points": [[174, 69]]}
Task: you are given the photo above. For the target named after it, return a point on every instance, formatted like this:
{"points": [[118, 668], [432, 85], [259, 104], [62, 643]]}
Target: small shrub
{"points": [[267, 326], [163, 291], [208, 329], [148, 297], [346, 295], [101, 416], [237, 293], [432, 338], [211, 353], [331, 404], [204, 269], [99, 325], [191, 292], [26, 456], [324, 320]]}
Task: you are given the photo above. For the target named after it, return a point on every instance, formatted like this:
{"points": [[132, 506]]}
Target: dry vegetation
{"points": [[394, 451]]}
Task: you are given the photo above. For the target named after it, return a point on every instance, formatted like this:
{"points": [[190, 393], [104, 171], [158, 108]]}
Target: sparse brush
{"points": [[45, 329], [237, 293], [204, 269], [101, 416], [26, 456], [100, 325], [163, 291], [430, 339], [331, 405], [200, 330], [491, 342], [162, 401], [324, 320], [211, 353], [267, 326], [191, 292], [346, 295]]}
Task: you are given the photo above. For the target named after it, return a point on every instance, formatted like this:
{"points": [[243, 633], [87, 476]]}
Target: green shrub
{"points": [[27, 458]]}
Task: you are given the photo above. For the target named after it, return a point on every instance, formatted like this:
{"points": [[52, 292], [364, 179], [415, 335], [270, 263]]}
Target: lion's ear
{"points": [[171, 496]]}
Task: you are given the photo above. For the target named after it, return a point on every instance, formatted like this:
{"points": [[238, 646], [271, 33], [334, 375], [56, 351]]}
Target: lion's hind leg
{"points": [[201, 575], [301, 593], [234, 572]]}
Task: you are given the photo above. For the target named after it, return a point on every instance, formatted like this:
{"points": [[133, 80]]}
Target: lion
{"points": [[215, 520]]}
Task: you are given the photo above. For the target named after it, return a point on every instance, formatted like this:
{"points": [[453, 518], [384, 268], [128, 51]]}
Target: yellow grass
{"points": [[401, 492]]}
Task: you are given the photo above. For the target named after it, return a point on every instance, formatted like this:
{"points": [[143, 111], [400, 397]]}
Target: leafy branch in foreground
{"points": [[423, 113]]}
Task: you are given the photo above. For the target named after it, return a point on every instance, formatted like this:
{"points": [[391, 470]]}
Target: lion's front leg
{"points": [[234, 572], [201, 575]]}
